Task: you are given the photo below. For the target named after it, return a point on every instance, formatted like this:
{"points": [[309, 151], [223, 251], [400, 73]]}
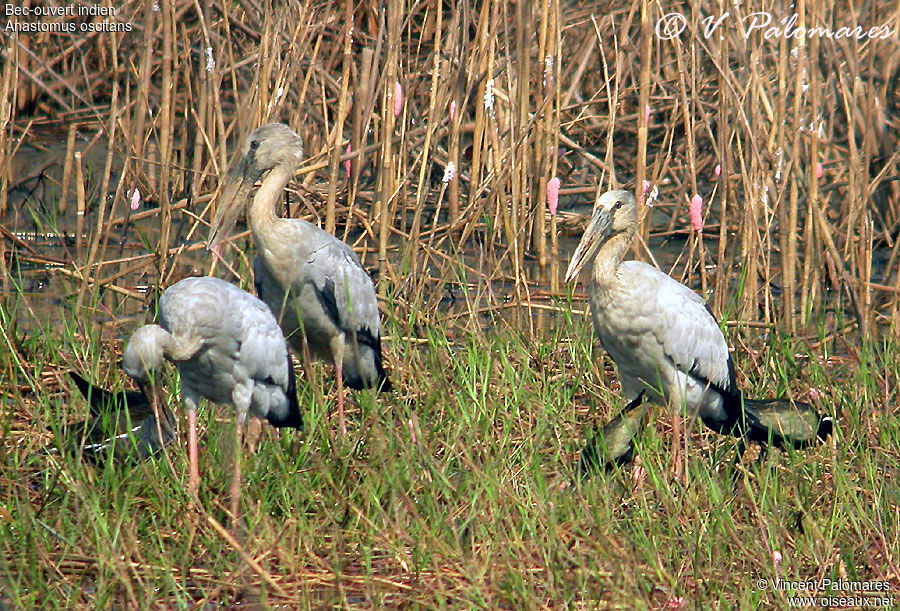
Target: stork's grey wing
{"points": [[263, 351], [686, 330], [344, 289]]}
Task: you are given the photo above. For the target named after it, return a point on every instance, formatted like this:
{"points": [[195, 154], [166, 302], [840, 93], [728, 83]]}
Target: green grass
{"points": [[454, 491]]}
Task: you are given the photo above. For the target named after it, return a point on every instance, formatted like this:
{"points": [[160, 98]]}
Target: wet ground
{"points": [[45, 244]]}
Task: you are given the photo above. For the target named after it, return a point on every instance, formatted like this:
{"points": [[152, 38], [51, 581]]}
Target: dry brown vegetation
{"points": [[171, 97], [792, 143]]}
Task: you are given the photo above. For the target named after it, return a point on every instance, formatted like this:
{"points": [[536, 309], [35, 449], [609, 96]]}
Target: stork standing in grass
{"points": [[229, 349], [314, 283], [667, 344]]}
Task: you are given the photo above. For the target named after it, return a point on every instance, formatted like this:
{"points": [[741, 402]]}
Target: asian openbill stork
{"points": [[667, 345], [314, 283], [227, 348]]}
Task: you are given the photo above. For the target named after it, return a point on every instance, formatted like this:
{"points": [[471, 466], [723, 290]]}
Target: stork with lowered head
{"points": [[227, 348]]}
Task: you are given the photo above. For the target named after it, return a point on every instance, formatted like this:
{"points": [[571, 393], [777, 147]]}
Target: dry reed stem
{"points": [[337, 139], [729, 101], [434, 101], [646, 62], [7, 94]]}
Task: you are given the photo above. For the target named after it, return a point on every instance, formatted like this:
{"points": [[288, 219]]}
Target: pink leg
{"points": [[337, 350], [342, 425], [194, 479], [236, 475], [676, 445]]}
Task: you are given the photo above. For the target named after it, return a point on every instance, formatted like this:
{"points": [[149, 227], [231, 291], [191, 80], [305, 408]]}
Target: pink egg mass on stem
{"points": [[553, 194], [696, 211]]}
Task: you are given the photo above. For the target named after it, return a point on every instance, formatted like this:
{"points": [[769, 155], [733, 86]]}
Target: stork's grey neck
{"points": [[264, 223], [606, 262]]}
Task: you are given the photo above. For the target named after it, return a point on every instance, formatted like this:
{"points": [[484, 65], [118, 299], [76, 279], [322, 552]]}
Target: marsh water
{"points": [[45, 244]]}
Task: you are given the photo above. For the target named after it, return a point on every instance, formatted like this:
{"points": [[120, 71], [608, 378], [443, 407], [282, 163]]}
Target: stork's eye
{"points": [[254, 144]]}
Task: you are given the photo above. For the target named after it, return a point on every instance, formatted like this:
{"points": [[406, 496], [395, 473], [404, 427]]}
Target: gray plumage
{"points": [[330, 299], [664, 340], [313, 282], [228, 348]]}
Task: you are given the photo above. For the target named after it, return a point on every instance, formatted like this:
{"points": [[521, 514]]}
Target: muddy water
{"points": [[41, 242]]}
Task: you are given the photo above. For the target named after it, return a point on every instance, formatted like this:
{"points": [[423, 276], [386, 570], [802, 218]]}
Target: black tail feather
{"points": [[125, 427], [781, 422], [102, 401], [293, 418], [614, 445]]}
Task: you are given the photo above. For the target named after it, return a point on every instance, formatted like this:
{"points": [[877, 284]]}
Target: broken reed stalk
{"points": [[80, 203], [337, 139], [67, 170], [646, 55]]}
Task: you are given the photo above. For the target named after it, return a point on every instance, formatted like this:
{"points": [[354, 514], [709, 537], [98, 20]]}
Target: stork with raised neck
{"points": [[314, 283], [666, 343], [227, 348]]}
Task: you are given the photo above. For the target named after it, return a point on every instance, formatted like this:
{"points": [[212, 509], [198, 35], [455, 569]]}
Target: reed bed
{"points": [[431, 131], [791, 142]]}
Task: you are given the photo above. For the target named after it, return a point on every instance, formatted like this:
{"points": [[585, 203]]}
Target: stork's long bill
{"points": [[597, 232], [233, 196], [154, 394]]}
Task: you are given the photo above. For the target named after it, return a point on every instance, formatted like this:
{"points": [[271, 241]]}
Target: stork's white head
{"points": [[145, 352], [271, 146], [615, 213]]}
